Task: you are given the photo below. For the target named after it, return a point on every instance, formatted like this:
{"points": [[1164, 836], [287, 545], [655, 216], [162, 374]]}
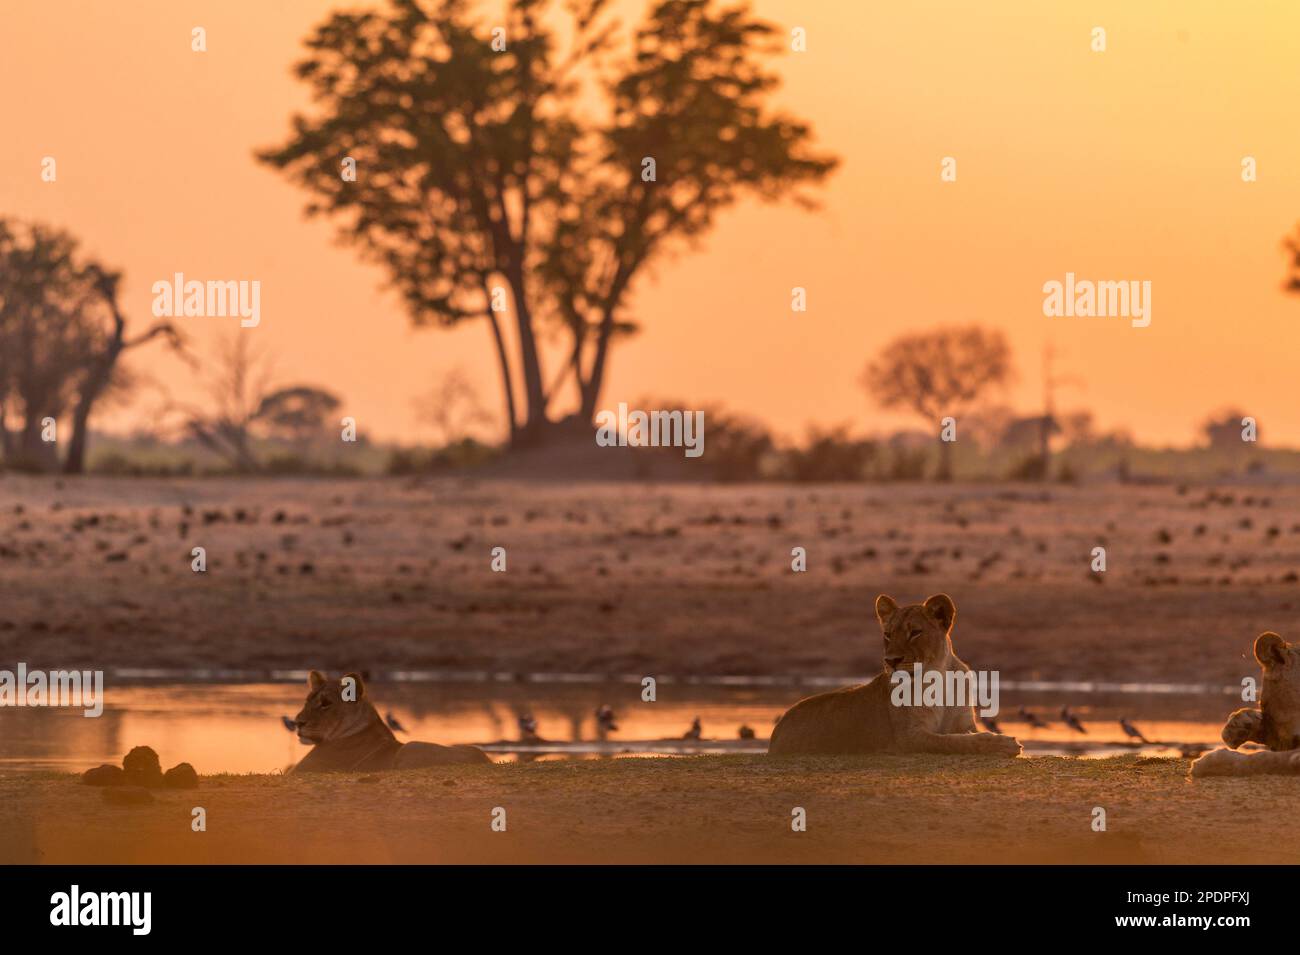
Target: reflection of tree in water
{"points": [[575, 711], [61, 734]]}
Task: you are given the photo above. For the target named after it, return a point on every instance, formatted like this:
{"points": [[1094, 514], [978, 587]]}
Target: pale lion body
{"points": [[862, 719], [350, 736], [1275, 724]]}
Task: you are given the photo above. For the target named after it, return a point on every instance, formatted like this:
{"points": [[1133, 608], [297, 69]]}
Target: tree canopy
{"points": [[548, 157], [938, 373]]}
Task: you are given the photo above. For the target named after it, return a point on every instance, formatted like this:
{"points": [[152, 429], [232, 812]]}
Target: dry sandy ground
{"points": [[639, 579], [886, 809]]}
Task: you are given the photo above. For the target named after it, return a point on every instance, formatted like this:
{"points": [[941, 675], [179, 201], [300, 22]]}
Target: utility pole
{"points": [[1050, 383]]}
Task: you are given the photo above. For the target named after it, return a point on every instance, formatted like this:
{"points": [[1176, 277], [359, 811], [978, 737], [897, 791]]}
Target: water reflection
{"points": [[237, 727]]}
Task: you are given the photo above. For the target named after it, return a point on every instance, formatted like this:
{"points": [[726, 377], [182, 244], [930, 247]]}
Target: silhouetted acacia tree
{"points": [[526, 167], [61, 335], [939, 373], [298, 414]]}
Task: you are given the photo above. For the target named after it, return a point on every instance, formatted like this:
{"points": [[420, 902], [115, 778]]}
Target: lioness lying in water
{"points": [[862, 719], [349, 735], [1276, 724]]}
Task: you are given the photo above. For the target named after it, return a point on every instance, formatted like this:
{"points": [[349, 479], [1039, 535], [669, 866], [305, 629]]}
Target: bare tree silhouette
{"points": [[243, 405], [237, 391], [451, 408], [555, 164]]}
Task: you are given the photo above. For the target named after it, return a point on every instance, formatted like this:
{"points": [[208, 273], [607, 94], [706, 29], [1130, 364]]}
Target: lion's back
{"points": [[417, 755], [853, 719]]}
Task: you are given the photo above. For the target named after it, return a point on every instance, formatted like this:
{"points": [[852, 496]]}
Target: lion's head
{"points": [[917, 633], [334, 708], [1279, 697]]}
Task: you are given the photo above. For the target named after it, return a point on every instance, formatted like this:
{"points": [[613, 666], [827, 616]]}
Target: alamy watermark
{"points": [[195, 299], [83, 689], [651, 429], [75, 907], [1085, 298], [922, 687]]}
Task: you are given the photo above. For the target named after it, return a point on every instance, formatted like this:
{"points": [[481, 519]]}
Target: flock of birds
{"points": [[1069, 719], [607, 722]]}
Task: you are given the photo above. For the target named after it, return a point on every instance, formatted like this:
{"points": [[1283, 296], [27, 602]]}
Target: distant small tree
{"points": [[830, 455], [1222, 430], [738, 445], [939, 373], [1078, 428], [237, 389], [298, 414], [244, 406], [452, 407]]}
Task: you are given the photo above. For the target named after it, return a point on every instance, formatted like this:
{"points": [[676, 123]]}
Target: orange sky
{"points": [[1120, 165]]}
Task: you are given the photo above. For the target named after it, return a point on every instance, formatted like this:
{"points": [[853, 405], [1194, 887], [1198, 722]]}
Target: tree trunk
{"points": [[75, 460], [97, 378], [33, 451], [591, 387], [531, 430], [503, 360]]}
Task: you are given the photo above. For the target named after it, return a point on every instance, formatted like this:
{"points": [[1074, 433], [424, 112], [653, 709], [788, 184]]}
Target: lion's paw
{"points": [[1241, 727], [999, 744]]}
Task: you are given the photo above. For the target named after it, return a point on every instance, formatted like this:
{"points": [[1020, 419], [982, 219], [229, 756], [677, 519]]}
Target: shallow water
{"points": [[236, 728]]}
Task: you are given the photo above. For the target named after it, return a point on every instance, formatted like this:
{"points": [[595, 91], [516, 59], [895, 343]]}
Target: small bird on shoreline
{"points": [[1131, 731], [393, 725], [1031, 719], [694, 731], [1071, 720], [991, 724], [605, 720], [528, 729]]}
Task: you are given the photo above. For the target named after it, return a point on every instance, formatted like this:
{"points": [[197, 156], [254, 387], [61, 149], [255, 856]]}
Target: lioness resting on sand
{"points": [[1276, 724], [862, 719], [349, 735]]}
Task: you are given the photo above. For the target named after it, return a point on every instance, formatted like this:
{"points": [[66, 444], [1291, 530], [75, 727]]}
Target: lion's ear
{"points": [[1270, 649], [943, 609], [885, 607], [358, 687], [315, 680]]}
